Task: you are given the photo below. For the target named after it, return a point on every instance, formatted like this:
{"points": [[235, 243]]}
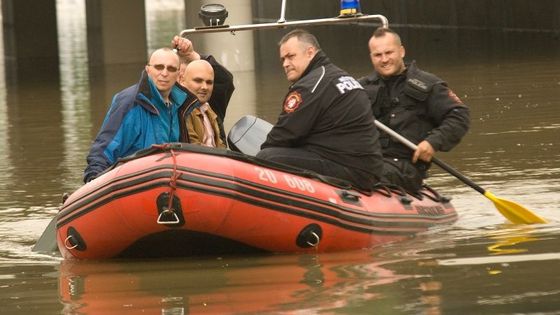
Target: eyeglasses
{"points": [[160, 67]]}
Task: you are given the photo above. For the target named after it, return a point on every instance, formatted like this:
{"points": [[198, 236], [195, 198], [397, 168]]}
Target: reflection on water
{"points": [[170, 18], [4, 125], [440, 272], [479, 265], [76, 119], [309, 284]]}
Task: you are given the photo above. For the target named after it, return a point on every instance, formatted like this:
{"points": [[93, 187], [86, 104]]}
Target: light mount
{"points": [[213, 14]]}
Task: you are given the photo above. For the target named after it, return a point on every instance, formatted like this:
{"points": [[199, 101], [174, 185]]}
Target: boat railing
{"points": [[283, 23]]}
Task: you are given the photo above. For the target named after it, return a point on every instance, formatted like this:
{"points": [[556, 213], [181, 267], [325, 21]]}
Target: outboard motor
{"points": [[247, 135]]}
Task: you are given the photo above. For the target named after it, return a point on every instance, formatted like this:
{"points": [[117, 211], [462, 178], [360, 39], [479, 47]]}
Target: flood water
{"points": [[479, 265]]}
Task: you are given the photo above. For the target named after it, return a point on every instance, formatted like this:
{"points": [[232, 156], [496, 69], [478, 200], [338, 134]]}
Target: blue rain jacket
{"points": [[137, 119]]}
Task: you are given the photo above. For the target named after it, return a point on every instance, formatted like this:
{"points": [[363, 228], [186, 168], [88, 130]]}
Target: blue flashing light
{"points": [[350, 7]]}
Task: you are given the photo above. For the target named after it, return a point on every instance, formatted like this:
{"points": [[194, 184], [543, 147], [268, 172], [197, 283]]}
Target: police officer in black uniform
{"points": [[326, 124], [416, 104]]}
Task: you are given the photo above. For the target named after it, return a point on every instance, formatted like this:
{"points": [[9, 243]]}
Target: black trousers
{"points": [[312, 161], [404, 173]]}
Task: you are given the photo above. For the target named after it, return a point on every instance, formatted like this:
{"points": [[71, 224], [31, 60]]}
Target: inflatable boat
{"points": [[181, 199]]}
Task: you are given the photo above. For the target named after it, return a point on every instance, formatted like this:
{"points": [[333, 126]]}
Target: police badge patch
{"points": [[292, 102]]}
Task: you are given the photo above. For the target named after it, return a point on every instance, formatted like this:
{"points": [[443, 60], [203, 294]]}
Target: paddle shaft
{"points": [[436, 161]]}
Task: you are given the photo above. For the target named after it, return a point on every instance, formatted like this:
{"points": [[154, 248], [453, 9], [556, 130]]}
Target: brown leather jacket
{"points": [[195, 127]]}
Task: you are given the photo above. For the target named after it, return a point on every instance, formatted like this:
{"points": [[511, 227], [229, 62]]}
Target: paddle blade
{"points": [[47, 242], [514, 212]]}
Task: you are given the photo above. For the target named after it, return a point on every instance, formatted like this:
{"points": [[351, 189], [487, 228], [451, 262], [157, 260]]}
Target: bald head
{"points": [[198, 66], [198, 77]]}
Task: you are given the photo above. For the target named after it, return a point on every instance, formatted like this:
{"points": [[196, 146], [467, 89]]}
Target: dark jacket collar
{"points": [[409, 67], [320, 59], [145, 94]]}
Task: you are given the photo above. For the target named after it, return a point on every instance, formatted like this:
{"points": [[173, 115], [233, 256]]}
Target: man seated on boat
{"points": [[143, 114], [223, 79], [414, 103], [326, 124], [202, 122], [147, 113]]}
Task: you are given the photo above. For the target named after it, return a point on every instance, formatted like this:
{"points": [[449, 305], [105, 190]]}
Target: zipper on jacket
{"points": [[170, 114]]}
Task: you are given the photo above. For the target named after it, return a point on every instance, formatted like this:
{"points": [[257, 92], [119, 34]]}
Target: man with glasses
{"points": [[141, 115]]}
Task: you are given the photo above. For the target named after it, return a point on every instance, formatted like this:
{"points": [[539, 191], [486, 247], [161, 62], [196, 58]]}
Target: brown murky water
{"points": [[480, 265]]}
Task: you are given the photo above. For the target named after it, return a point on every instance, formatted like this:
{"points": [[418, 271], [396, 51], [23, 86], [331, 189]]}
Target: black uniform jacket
{"points": [[419, 106], [223, 89], [327, 112]]}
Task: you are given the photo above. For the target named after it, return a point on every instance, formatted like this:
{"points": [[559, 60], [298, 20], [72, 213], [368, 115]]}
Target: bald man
{"points": [[143, 114], [223, 79], [202, 122]]}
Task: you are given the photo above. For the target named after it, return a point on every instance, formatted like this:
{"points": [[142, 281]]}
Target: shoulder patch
{"points": [[292, 102], [454, 97]]}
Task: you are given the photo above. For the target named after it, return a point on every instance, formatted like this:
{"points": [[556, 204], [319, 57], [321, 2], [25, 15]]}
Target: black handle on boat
{"points": [[509, 209]]}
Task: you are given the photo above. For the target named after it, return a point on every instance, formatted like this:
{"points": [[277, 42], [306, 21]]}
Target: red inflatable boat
{"points": [[186, 200], [181, 199]]}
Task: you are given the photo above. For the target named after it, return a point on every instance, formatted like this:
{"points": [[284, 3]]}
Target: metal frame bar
{"points": [[282, 18], [282, 23]]}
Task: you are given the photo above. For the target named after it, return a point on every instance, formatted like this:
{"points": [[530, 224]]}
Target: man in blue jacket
{"points": [[141, 115]]}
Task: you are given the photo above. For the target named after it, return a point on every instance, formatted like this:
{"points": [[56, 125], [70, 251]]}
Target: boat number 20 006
{"points": [[291, 181]]}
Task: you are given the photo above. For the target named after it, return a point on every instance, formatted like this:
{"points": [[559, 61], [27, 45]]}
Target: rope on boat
{"points": [[435, 196], [172, 186]]}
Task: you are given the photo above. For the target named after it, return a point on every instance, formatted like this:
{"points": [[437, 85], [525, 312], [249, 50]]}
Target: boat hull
{"points": [[189, 200]]}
